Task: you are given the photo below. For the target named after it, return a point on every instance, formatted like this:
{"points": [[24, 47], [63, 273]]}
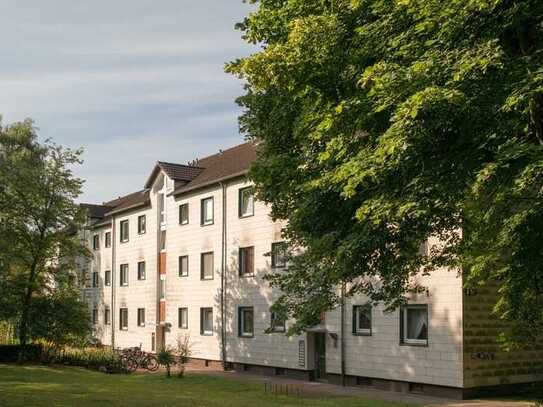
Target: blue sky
{"points": [[130, 81]]}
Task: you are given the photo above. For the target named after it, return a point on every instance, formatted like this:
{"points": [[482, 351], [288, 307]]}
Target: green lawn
{"points": [[47, 386]]}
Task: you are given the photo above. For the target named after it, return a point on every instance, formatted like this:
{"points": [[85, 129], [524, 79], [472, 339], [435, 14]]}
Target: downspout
{"points": [[223, 277], [112, 310], [343, 333]]}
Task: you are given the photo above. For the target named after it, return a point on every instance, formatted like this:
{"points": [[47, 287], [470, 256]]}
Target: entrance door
{"points": [[320, 356]]}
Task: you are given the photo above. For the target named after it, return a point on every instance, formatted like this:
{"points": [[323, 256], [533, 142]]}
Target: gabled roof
{"points": [[133, 200], [226, 164], [177, 172]]}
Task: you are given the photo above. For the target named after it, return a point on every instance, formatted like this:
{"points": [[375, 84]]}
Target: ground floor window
{"points": [[362, 319], [183, 318], [246, 326], [277, 323], [414, 324], [206, 321], [141, 316], [95, 316], [123, 318]]}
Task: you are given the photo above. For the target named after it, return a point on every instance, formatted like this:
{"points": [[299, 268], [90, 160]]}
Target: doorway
{"points": [[320, 356]]}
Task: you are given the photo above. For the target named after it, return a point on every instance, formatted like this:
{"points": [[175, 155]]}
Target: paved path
{"points": [[318, 389]]}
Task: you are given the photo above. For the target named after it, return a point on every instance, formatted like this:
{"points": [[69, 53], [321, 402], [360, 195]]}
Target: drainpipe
{"points": [[223, 277], [113, 285], [343, 333]]}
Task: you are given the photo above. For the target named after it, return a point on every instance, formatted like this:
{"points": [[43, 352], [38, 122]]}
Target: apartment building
{"points": [[187, 254]]}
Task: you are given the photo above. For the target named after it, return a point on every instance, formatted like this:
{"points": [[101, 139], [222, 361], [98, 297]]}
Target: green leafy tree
{"points": [[383, 122], [38, 221]]}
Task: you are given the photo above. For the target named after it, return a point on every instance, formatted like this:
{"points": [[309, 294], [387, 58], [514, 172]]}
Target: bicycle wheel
{"points": [[129, 363], [151, 363]]}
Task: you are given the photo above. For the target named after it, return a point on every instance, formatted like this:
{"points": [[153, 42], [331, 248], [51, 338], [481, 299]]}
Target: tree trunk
{"points": [[23, 323]]}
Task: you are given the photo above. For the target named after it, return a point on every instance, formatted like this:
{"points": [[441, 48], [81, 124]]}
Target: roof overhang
{"points": [[215, 181]]}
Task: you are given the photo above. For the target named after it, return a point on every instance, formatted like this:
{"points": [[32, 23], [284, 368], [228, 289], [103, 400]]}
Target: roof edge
{"points": [[137, 205], [207, 184]]}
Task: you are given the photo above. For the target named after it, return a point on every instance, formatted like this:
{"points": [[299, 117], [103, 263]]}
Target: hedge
{"points": [[10, 353]]}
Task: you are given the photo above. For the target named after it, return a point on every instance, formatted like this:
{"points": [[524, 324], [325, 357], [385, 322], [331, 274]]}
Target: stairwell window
{"points": [[142, 225], [107, 278], [124, 235], [278, 255], [183, 266], [414, 325], [362, 320], [246, 325], [206, 321], [207, 211], [124, 275], [94, 315], [141, 316], [206, 266], [107, 316], [183, 316], [246, 261], [107, 240], [184, 214], [96, 242], [123, 319], [141, 270], [246, 202]]}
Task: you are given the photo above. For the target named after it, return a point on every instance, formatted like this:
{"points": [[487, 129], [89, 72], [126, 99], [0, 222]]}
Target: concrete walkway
{"points": [[318, 389]]}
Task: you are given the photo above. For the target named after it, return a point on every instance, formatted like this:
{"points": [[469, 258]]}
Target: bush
{"points": [[10, 353], [102, 359]]}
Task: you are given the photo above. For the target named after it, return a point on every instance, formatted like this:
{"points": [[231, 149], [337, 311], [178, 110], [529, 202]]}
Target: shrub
{"points": [[30, 353], [166, 358]]}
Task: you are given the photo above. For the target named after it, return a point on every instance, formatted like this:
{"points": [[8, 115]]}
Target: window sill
{"points": [[357, 333], [246, 216], [246, 336], [420, 345], [206, 279], [183, 275], [206, 224], [183, 327], [183, 223], [247, 275], [206, 334]]}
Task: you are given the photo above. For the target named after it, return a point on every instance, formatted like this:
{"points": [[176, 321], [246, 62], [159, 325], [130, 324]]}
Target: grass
{"points": [[69, 386]]}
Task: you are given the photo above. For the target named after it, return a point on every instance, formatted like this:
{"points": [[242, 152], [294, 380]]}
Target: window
{"points": [[153, 345], [124, 275], [206, 321], [124, 231], [162, 240], [95, 279], [183, 266], [207, 211], [278, 254], [362, 319], [107, 277], [246, 202], [108, 239], [123, 319], [142, 227], [246, 261], [206, 264], [141, 270], [96, 242], [184, 214], [162, 288], [141, 316], [161, 209], [414, 325], [246, 326], [94, 315], [107, 316], [277, 323], [183, 318]]}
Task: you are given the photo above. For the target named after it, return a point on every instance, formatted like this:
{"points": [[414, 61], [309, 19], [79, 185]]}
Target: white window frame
{"points": [[250, 206], [202, 266], [141, 276], [181, 220], [122, 236], [142, 230], [123, 282], [141, 321], [356, 320], [242, 332], [404, 320], [96, 242], [183, 318], [123, 322], [203, 312], [205, 220], [183, 273], [107, 281]]}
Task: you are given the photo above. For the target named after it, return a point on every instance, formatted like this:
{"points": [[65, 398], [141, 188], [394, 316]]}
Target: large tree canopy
{"points": [[383, 122], [38, 243]]}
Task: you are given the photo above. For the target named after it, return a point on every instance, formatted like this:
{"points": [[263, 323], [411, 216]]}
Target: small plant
{"points": [[184, 350], [166, 358]]}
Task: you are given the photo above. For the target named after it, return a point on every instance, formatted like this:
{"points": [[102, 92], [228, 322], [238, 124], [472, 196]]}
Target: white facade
{"points": [[379, 355]]}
